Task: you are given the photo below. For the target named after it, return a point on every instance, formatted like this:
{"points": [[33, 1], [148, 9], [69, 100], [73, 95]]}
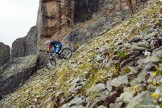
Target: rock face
{"points": [[25, 46], [55, 16], [4, 53], [16, 71]]}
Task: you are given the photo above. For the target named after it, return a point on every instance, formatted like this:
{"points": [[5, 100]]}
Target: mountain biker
{"points": [[54, 45]]}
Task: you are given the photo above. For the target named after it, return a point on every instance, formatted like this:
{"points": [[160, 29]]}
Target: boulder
{"points": [[25, 46], [77, 102], [148, 36], [4, 53], [121, 80], [98, 88], [141, 100], [16, 72]]}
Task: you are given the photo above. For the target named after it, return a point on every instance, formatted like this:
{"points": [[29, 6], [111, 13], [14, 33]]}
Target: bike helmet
{"points": [[48, 41]]}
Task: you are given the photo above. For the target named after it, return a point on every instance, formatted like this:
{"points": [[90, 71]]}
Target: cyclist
{"points": [[53, 45]]}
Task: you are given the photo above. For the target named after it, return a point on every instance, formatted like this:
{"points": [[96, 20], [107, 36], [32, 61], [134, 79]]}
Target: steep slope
{"points": [[119, 69]]}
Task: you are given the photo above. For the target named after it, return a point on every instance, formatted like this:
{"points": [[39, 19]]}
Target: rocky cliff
{"points": [[4, 53], [57, 18], [23, 62], [25, 46], [121, 68], [15, 72]]}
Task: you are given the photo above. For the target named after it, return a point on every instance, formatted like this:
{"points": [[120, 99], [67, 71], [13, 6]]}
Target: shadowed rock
{"points": [[4, 53], [16, 71], [25, 46]]}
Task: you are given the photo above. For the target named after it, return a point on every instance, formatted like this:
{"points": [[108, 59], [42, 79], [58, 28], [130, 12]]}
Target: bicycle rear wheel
{"points": [[51, 64], [66, 53]]}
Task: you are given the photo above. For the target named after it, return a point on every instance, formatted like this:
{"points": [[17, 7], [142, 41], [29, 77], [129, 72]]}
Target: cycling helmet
{"points": [[48, 41]]}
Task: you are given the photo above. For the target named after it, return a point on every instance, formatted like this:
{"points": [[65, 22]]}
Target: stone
{"points": [[117, 105], [75, 103], [76, 85], [141, 77], [16, 72], [153, 59], [135, 39], [143, 44], [98, 101], [126, 96], [159, 54], [127, 45], [121, 80], [125, 62], [148, 36], [155, 43], [157, 49], [4, 53], [134, 54], [138, 48], [150, 67], [25, 46], [141, 99], [98, 88], [101, 106]]}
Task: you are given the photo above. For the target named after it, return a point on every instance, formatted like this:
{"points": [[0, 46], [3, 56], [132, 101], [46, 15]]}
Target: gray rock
{"points": [[109, 87], [133, 70], [76, 102], [125, 62], [154, 44], [98, 88], [16, 71], [150, 67], [77, 80], [101, 106], [148, 36], [127, 45], [143, 44], [159, 54], [135, 39], [139, 79], [153, 59], [143, 98], [157, 49], [4, 53], [25, 46], [134, 54], [127, 96], [138, 48], [98, 101], [117, 105], [76, 85], [121, 80]]}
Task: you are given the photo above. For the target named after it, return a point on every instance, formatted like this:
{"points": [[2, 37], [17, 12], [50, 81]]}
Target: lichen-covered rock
{"points": [[15, 72], [4, 53], [143, 99], [25, 46], [121, 80]]}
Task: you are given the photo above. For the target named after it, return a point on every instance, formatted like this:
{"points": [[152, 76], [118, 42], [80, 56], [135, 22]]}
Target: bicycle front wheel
{"points": [[51, 64]]}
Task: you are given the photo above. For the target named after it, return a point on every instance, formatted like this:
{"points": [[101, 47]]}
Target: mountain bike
{"points": [[65, 53]]}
